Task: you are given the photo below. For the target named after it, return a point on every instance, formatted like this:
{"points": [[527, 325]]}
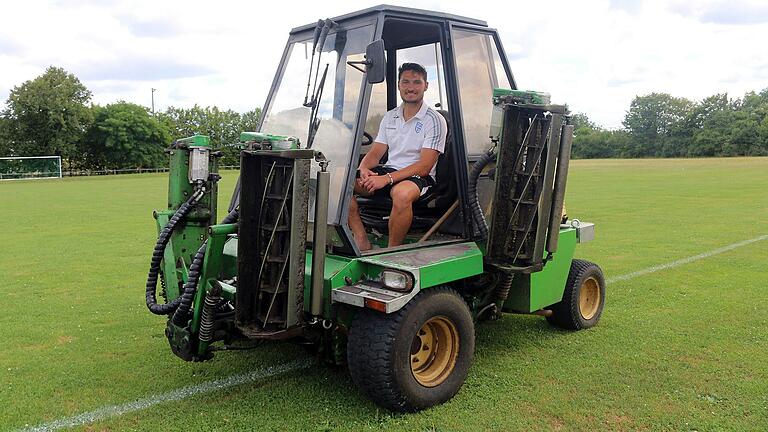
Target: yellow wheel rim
{"points": [[589, 298], [434, 351]]}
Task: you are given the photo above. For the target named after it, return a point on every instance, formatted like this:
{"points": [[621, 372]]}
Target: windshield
{"points": [[338, 107]]}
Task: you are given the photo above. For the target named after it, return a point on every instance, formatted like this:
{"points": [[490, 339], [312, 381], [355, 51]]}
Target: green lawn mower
{"points": [[492, 237]]}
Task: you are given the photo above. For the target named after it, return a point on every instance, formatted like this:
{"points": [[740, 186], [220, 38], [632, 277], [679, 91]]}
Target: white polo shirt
{"points": [[405, 139]]}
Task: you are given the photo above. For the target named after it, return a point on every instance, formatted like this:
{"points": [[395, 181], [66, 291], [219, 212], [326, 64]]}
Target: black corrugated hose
{"points": [[190, 288], [157, 256], [474, 201]]}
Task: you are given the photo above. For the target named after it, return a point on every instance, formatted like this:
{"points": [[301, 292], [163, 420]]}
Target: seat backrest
{"points": [[445, 190]]}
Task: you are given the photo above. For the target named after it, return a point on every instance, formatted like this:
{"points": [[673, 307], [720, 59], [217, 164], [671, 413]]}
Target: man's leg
{"points": [[404, 194], [355, 223]]}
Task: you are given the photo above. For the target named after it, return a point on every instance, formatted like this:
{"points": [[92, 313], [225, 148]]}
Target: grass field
{"points": [[681, 349]]}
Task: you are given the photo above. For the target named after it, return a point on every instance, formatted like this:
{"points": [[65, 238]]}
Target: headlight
{"points": [[198, 163], [397, 280]]}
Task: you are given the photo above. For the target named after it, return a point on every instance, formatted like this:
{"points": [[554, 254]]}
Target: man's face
{"points": [[412, 86]]}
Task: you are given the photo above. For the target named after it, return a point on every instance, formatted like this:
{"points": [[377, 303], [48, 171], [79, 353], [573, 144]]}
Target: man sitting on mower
{"points": [[414, 134]]}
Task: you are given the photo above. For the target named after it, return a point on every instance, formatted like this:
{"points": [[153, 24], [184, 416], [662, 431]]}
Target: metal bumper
{"points": [[585, 231], [356, 295]]}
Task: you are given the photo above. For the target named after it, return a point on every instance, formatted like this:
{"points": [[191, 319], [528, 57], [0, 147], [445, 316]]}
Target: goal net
{"points": [[30, 167]]}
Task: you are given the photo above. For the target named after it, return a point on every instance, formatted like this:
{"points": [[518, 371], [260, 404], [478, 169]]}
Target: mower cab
{"points": [[283, 265]]}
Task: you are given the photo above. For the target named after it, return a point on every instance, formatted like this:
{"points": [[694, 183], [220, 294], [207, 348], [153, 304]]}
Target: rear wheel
{"points": [[416, 357], [583, 299]]}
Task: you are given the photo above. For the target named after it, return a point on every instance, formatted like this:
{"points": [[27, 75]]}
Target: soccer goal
{"points": [[30, 167]]}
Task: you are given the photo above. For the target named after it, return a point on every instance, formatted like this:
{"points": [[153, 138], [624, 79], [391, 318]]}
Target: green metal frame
{"points": [[185, 242], [435, 265], [212, 271], [535, 291]]}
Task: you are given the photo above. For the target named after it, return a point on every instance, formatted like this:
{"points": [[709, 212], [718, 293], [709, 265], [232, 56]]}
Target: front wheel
{"points": [[416, 357], [583, 299]]}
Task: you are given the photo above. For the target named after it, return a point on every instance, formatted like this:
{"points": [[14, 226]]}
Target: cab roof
{"points": [[399, 11]]}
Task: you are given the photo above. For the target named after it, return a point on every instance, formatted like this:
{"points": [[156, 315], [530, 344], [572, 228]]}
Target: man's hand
{"points": [[365, 173], [375, 182]]}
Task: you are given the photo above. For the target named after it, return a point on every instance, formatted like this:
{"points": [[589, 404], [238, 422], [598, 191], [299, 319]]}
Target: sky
{"points": [[596, 56]]}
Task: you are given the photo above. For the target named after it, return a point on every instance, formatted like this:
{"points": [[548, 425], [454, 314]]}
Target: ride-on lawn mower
{"points": [[491, 237]]}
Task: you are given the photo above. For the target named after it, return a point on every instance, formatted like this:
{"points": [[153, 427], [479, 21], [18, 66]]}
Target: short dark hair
{"points": [[415, 67]]}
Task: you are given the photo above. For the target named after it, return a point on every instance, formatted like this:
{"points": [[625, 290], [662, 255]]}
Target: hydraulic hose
{"points": [[501, 292], [157, 256], [181, 313], [474, 201]]}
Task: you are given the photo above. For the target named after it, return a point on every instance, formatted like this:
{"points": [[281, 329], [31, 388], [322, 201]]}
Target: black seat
{"points": [[429, 207]]}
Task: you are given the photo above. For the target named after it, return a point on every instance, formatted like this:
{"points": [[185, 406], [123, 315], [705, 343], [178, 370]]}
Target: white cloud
{"points": [[594, 55]]}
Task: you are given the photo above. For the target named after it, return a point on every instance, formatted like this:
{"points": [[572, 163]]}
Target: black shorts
{"points": [[424, 183]]}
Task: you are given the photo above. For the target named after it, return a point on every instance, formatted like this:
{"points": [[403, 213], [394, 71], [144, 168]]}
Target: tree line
{"points": [[53, 115], [660, 125]]}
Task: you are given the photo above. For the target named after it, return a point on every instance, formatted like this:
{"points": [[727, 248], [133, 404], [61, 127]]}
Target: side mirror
{"points": [[375, 63]]}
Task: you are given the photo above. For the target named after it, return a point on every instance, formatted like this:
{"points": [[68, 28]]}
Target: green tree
{"points": [[755, 105], [714, 135], [762, 131], [250, 120], [705, 109], [598, 143], [650, 121], [124, 135], [591, 141], [581, 120], [5, 146], [223, 127], [682, 135], [743, 135], [47, 115]]}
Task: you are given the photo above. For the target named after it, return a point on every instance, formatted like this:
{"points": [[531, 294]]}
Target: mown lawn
{"points": [[679, 349]]}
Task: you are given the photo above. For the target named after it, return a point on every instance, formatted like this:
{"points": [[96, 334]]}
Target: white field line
{"points": [[206, 387], [175, 395], [691, 259]]}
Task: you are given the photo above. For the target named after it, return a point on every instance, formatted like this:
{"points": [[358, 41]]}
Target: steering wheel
{"points": [[368, 139]]}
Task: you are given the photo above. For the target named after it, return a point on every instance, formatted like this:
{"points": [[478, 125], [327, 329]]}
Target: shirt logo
{"points": [[419, 125]]}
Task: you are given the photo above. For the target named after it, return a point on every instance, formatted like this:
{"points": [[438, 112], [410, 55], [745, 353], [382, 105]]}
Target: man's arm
{"points": [[379, 147], [371, 159]]}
